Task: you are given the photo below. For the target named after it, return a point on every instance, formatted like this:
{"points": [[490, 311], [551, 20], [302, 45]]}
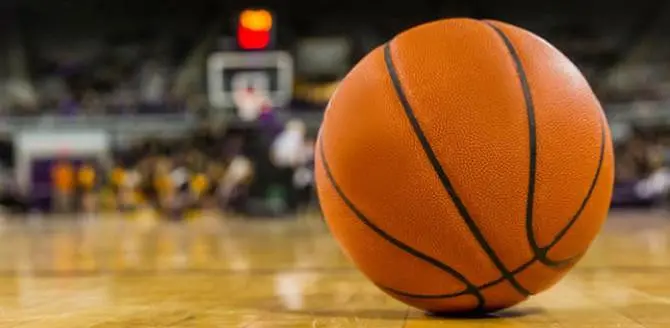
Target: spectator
{"points": [[63, 178], [153, 85]]}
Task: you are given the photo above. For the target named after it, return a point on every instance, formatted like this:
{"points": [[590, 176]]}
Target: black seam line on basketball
{"points": [[442, 176], [463, 292], [482, 287], [470, 287], [541, 252], [532, 138], [561, 263], [578, 214]]}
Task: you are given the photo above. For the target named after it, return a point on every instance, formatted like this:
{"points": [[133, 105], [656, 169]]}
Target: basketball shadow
{"points": [[331, 310], [402, 314], [503, 314]]}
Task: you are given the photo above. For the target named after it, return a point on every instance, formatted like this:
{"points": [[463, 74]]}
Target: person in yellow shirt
{"points": [[164, 186], [126, 182], [62, 176], [117, 176], [199, 186], [88, 185]]}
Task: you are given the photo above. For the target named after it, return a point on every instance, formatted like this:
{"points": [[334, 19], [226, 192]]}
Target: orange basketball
{"points": [[464, 166]]}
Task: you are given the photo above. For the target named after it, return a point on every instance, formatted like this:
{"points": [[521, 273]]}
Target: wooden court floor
{"points": [[110, 272]]}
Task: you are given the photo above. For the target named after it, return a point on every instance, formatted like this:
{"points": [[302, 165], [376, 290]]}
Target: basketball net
{"points": [[250, 103]]}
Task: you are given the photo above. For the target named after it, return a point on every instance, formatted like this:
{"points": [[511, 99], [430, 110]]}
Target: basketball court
{"points": [[231, 272]]}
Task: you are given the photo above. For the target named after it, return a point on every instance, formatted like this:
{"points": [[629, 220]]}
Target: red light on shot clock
{"points": [[254, 29]]}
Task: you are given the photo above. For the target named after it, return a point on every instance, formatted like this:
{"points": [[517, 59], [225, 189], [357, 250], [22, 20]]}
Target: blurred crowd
{"points": [[78, 57], [643, 169], [260, 168], [101, 79]]}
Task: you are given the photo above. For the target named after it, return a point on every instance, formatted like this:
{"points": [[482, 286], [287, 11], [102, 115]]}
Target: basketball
{"points": [[464, 166]]}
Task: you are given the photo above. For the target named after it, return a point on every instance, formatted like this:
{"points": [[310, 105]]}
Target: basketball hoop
{"points": [[250, 103], [269, 71], [62, 152]]}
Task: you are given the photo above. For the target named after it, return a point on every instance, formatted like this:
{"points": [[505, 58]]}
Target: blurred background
{"points": [[206, 105]]}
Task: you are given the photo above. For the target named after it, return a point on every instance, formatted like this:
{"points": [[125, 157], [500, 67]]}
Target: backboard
{"points": [[269, 73]]}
